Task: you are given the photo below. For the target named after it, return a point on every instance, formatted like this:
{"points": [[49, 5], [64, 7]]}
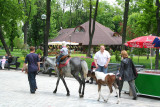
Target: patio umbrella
{"points": [[142, 42]]}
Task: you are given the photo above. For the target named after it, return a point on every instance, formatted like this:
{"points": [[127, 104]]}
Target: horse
{"points": [[49, 64], [78, 68], [108, 79]]}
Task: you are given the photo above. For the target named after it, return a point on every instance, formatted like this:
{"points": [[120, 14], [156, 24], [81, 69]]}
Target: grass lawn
{"points": [[142, 59]]}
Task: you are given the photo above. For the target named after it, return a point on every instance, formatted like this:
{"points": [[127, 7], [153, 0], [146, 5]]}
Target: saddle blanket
{"points": [[62, 65], [101, 75]]}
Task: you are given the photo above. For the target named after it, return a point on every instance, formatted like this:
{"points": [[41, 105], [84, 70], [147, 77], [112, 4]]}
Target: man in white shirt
{"points": [[102, 59]]}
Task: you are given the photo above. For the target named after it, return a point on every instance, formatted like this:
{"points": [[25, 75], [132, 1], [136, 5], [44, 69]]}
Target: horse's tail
{"points": [[84, 68]]}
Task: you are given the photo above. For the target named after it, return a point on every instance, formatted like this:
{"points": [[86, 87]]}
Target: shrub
{"points": [[117, 56], [24, 52], [88, 60], [39, 51]]}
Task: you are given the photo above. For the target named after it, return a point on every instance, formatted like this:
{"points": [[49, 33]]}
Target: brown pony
{"points": [[108, 79]]}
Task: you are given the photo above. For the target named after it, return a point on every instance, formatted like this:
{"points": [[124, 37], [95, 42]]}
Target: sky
{"points": [[109, 1]]}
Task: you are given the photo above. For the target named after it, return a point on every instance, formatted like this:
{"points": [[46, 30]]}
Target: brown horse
{"points": [[108, 79]]}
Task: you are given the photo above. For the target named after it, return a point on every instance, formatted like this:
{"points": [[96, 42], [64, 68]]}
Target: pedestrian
{"points": [[128, 73], [9, 61], [102, 59], [3, 62], [63, 52], [33, 66]]}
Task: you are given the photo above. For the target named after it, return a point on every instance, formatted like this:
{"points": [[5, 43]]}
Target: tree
{"points": [[10, 15], [158, 33], [47, 28], [4, 43], [29, 10], [125, 23], [91, 31]]}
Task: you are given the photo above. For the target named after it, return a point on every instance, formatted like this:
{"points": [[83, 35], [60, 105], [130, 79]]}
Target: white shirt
{"points": [[102, 58]]}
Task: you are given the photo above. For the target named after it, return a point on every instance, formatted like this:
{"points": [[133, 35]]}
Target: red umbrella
{"points": [[142, 42]]}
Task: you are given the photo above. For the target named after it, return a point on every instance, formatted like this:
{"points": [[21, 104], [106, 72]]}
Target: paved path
{"points": [[14, 92]]}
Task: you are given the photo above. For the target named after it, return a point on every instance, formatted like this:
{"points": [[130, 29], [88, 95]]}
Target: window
{"points": [[79, 29]]}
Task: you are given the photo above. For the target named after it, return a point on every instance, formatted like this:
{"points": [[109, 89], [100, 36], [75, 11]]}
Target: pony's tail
{"points": [[84, 68]]}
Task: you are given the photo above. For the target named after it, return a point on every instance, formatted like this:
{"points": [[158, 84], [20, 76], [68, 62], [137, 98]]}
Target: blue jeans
{"points": [[58, 59], [102, 69], [32, 81]]}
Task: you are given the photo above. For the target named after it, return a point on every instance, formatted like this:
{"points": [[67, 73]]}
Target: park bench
{"points": [[14, 62]]}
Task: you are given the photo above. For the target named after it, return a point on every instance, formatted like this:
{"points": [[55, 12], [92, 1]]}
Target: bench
{"points": [[14, 62]]}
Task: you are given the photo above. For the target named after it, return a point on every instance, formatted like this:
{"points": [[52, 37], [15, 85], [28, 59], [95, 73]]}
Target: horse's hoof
{"points": [[54, 91], [105, 101], [68, 94], [81, 96]]}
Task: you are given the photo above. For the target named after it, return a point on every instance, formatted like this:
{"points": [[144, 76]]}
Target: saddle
{"points": [[64, 59], [63, 62]]}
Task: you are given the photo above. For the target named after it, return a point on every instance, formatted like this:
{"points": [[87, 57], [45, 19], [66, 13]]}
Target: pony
{"points": [[108, 79], [78, 68]]}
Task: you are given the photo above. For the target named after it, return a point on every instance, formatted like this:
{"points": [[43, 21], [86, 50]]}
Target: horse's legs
{"points": [[64, 82], [111, 90], [99, 91], [56, 85], [117, 91], [83, 83], [80, 82]]}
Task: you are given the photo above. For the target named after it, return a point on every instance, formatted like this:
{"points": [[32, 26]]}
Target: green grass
{"points": [[142, 59]]}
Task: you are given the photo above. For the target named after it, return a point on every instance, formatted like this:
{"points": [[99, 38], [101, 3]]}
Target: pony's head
{"points": [[90, 74]]}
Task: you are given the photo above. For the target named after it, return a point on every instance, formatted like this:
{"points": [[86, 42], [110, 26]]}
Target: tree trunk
{"points": [[158, 32], [91, 33], [125, 23], [25, 31], [4, 43], [71, 14], [47, 28]]}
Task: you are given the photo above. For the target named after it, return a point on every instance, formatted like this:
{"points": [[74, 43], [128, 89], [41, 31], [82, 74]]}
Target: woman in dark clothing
{"points": [[127, 73]]}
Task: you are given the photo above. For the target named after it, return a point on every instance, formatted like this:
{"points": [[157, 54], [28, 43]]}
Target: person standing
{"points": [[33, 66], [128, 73], [102, 59]]}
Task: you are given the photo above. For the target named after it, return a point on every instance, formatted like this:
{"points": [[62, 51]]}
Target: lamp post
{"points": [[43, 17], [70, 43]]}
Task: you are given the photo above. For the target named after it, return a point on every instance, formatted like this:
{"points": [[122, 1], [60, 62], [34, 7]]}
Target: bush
{"points": [[38, 51], [24, 52], [117, 56], [88, 60]]}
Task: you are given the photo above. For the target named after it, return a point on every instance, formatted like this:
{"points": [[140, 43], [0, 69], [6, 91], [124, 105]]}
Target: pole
{"points": [[70, 44], [151, 58], [44, 48]]}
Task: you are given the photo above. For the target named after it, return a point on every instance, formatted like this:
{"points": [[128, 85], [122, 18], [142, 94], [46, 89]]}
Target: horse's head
{"points": [[91, 74]]}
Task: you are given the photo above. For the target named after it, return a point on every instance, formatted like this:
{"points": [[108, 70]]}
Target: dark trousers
{"points": [[32, 81], [58, 59], [132, 86]]}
